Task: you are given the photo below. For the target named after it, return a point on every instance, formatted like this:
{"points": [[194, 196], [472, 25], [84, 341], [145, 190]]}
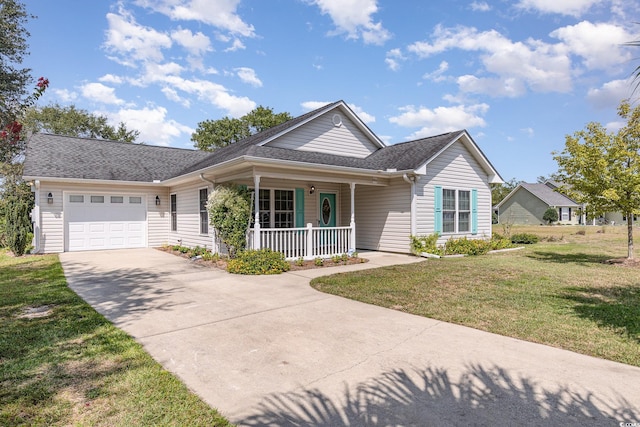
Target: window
{"points": [[117, 199], [456, 211], [135, 200], [76, 198], [204, 215], [277, 208], [174, 213], [97, 199]]}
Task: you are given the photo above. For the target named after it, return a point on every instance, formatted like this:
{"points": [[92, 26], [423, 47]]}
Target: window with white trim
{"points": [[277, 208], [173, 210], [456, 211], [204, 215]]}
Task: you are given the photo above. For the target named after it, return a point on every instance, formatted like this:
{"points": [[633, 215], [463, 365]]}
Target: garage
{"points": [[105, 221]]}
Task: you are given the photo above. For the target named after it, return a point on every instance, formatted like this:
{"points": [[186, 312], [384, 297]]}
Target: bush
{"points": [[550, 215], [209, 256], [262, 261], [500, 242], [524, 238], [426, 244], [466, 246], [319, 262], [229, 212], [18, 226]]}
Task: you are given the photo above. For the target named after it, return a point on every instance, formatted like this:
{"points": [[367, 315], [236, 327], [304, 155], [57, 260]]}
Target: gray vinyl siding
{"points": [[188, 217], [383, 217], [455, 168], [53, 232], [322, 136], [522, 208]]}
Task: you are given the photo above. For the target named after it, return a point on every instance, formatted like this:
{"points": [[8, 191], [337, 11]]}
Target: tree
{"points": [[18, 225], [212, 134], [602, 169], [500, 191], [551, 177], [70, 121], [229, 212], [13, 48], [550, 215]]}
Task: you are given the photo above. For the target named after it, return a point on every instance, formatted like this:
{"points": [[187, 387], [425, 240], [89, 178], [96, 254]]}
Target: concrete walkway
{"points": [[270, 350]]}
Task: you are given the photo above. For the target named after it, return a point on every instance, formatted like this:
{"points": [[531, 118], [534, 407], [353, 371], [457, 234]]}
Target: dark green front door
{"points": [[327, 210]]}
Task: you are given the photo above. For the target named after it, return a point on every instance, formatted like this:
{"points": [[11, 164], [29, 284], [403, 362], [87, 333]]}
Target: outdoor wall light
{"points": [[157, 200], [49, 198], [312, 189]]}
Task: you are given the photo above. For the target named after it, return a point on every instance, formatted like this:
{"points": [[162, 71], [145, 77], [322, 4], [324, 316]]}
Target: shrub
{"points": [[336, 259], [261, 261], [499, 242], [466, 246], [427, 244], [209, 256], [550, 215], [524, 238], [229, 212], [319, 262], [18, 225], [300, 262], [581, 232]]}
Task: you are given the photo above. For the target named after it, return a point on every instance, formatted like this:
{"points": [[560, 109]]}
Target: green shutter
{"points": [[474, 211], [437, 219], [299, 207]]}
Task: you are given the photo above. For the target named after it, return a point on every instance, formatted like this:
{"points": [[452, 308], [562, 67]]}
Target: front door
{"points": [[327, 210]]}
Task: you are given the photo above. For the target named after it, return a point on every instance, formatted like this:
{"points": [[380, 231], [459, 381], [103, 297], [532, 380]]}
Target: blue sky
{"points": [[518, 75]]}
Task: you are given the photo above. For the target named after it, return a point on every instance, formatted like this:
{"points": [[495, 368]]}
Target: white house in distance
{"points": [[325, 184]]}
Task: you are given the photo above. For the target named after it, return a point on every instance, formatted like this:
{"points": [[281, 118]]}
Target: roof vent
{"points": [[337, 120]]}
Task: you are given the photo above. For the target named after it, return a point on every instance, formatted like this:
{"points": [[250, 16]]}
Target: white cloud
{"points": [[611, 93], [65, 95], [393, 59], [172, 95], [197, 44], [528, 131], [248, 75], [110, 78], [236, 45], [600, 45], [222, 14], [540, 66], [562, 7], [133, 42], [152, 124], [440, 119], [364, 116], [98, 92], [437, 75], [313, 105], [480, 6], [354, 18]]}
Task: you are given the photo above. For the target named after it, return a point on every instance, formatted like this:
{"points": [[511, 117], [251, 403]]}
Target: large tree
{"points": [[602, 168], [70, 121], [500, 191], [212, 134]]}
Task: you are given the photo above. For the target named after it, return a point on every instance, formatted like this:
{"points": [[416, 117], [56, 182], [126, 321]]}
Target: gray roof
{"points": [[548, 195], [58, 156]]}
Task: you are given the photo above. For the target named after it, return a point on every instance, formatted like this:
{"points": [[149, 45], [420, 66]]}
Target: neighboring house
{"points": [[325, 185], [527, 203]]}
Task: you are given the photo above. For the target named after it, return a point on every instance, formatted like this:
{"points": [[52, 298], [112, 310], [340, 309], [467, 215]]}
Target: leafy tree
{"points": [[18, 225], [13, 48], [500, 191], [551, 177], [212, 134], [550, 215], [229, 212], [602, 169], [70, 121]]}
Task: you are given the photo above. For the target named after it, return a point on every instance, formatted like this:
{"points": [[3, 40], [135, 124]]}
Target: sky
{"points": [[517, 75]]}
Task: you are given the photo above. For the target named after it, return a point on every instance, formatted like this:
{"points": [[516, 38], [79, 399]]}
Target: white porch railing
{"points": [[308, 243]]}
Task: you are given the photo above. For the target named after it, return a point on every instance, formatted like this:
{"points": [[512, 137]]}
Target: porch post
{"points": [[256, 206], [352, 224]]}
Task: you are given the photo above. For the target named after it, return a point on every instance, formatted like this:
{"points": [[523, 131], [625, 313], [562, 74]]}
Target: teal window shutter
{"points": [[474, 211], [437, 219], [299, 207]]}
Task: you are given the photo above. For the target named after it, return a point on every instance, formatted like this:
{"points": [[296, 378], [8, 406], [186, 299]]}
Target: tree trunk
{"points": [[630, 235]]}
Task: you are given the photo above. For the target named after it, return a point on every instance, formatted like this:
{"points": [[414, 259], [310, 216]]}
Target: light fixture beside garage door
{"points": [[157, 200], [50, 198]]}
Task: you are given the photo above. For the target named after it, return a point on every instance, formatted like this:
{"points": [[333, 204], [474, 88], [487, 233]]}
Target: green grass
{"points": [[73, 367], [557, 292]]}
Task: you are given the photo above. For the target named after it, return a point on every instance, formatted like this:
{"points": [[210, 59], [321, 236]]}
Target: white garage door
{"points": [[105, 221]]}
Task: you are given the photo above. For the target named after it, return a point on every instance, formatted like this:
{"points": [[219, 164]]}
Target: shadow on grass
{"points": [[613, 307], [480, 396], [570, 258]]}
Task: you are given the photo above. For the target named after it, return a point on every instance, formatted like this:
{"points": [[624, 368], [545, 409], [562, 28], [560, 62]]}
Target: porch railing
{"points": [[308, 243]]}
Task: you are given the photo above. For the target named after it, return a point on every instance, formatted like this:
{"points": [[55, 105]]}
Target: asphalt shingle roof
{"points": [[548, 195], [70, 157]]}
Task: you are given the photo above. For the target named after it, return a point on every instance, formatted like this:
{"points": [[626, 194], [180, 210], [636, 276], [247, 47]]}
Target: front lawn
{"points": [[62, 363], [559, 292]]}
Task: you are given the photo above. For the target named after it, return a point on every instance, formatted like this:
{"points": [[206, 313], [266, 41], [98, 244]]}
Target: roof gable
{"points": [[543, 192]]}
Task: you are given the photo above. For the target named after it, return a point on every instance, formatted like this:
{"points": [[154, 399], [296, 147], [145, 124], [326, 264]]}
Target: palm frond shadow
{"points": [[480, 396]]}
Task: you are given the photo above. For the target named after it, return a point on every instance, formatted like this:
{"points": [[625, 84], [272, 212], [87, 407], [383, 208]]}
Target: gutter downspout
{"points": [[35, 217], [214, 246], [414, 200]]}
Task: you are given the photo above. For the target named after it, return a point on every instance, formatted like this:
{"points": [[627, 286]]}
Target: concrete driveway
{"points": [[269, 350]]}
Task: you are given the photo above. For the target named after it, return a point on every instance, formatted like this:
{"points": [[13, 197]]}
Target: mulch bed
{"points": [[624, 262]]}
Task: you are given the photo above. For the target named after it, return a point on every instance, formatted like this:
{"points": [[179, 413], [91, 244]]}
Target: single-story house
{"points": [[323, 182], [527, 203]]}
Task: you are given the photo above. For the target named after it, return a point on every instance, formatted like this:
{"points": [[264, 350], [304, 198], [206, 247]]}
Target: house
{"points": [[323, 182], [527, 203]]}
